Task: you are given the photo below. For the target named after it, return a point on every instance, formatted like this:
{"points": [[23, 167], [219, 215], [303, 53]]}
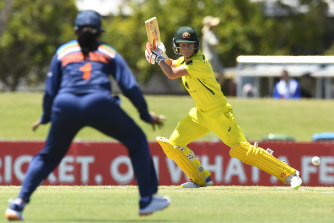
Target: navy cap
{"points": [[88, 18]]}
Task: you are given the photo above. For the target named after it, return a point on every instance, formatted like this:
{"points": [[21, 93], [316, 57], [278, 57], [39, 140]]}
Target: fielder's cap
{"points": [[88, 18], [185, 34]]}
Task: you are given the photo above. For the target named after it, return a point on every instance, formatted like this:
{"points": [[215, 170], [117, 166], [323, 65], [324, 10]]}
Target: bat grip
{"points": [[155, 44]]}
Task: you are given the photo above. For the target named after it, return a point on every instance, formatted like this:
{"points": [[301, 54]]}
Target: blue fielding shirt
{"points": [[71, 73]]}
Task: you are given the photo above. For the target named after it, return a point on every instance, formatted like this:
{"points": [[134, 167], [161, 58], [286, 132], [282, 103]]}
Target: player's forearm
{"points": [[167, 69], [47, 107], [170, 71]]}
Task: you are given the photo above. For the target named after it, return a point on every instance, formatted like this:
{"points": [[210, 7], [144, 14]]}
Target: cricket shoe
{"points": [[157, 203], [191, 184], [15, 210], [294, 180]]}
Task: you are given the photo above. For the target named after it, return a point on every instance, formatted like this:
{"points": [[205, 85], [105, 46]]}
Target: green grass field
{"points": [[91, 204], [257, 117]]}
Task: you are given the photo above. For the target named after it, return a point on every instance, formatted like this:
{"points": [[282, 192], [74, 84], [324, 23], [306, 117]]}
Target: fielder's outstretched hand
{"points": [[36, 124], [157, 120]]}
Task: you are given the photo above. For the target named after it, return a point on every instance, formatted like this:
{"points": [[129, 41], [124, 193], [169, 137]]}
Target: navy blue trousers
{"points": [[70, 113]]}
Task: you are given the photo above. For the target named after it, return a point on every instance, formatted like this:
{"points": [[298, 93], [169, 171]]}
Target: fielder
{"points": [[78, 94], [211, 113]]}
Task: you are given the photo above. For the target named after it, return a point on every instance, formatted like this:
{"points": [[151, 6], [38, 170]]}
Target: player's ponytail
{"points": [[88, 28]]}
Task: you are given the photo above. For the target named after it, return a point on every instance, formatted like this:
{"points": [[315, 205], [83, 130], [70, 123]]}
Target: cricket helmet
{"points": [[185, 34], [88, 18]]}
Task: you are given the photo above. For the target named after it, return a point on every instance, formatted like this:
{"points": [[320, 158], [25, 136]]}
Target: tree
{"points": [[35, 30], [245, 29], [32, 35]]}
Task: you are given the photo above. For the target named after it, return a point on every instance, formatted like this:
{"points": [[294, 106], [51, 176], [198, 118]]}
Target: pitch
{"points": [[88, 204]]}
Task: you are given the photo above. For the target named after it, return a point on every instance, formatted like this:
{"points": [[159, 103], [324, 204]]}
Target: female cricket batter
{"points": [[211, 113], [78, 94]]}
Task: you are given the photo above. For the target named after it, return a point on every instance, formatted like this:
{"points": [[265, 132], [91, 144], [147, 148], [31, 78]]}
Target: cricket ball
{"points": [[316, 160]]}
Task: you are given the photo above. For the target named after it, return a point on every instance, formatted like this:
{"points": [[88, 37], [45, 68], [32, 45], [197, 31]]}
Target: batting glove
{"points": [[156, 55], [162, 49], [160, 53], [150, 57]]}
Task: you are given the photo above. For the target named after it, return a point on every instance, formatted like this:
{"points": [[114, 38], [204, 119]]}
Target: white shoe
{"points": [[191, 184], [294, 180], [158, 203], [13, 215], [15, 210]]}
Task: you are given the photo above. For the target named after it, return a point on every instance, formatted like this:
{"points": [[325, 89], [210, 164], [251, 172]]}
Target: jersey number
{"points": [[87, 70]]}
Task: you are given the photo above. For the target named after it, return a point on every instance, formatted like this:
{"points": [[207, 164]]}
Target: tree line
{"points": [[31, 31]]}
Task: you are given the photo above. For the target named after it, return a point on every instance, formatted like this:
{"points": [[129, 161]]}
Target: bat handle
{"points": [[155, 44]]}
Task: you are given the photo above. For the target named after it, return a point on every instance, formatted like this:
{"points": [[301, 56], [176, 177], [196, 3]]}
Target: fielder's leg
{"points": [[61, 133], [117, 124], [258, 157]]}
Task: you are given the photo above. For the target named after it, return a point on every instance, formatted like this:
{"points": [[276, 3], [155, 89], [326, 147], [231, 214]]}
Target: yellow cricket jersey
{"points": [[201, 82]]}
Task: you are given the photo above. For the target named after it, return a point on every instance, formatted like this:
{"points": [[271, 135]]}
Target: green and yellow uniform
{"points": [[213, 113]]}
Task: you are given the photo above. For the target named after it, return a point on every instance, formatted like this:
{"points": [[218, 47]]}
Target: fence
{"points": [[107, 163]]}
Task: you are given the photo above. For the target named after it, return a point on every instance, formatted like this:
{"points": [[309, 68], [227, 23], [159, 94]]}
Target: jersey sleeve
{"points": [[128, 84], [52, 85]]}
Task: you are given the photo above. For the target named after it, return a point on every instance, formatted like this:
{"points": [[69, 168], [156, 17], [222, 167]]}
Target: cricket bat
{"points": [[153, 32]]}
